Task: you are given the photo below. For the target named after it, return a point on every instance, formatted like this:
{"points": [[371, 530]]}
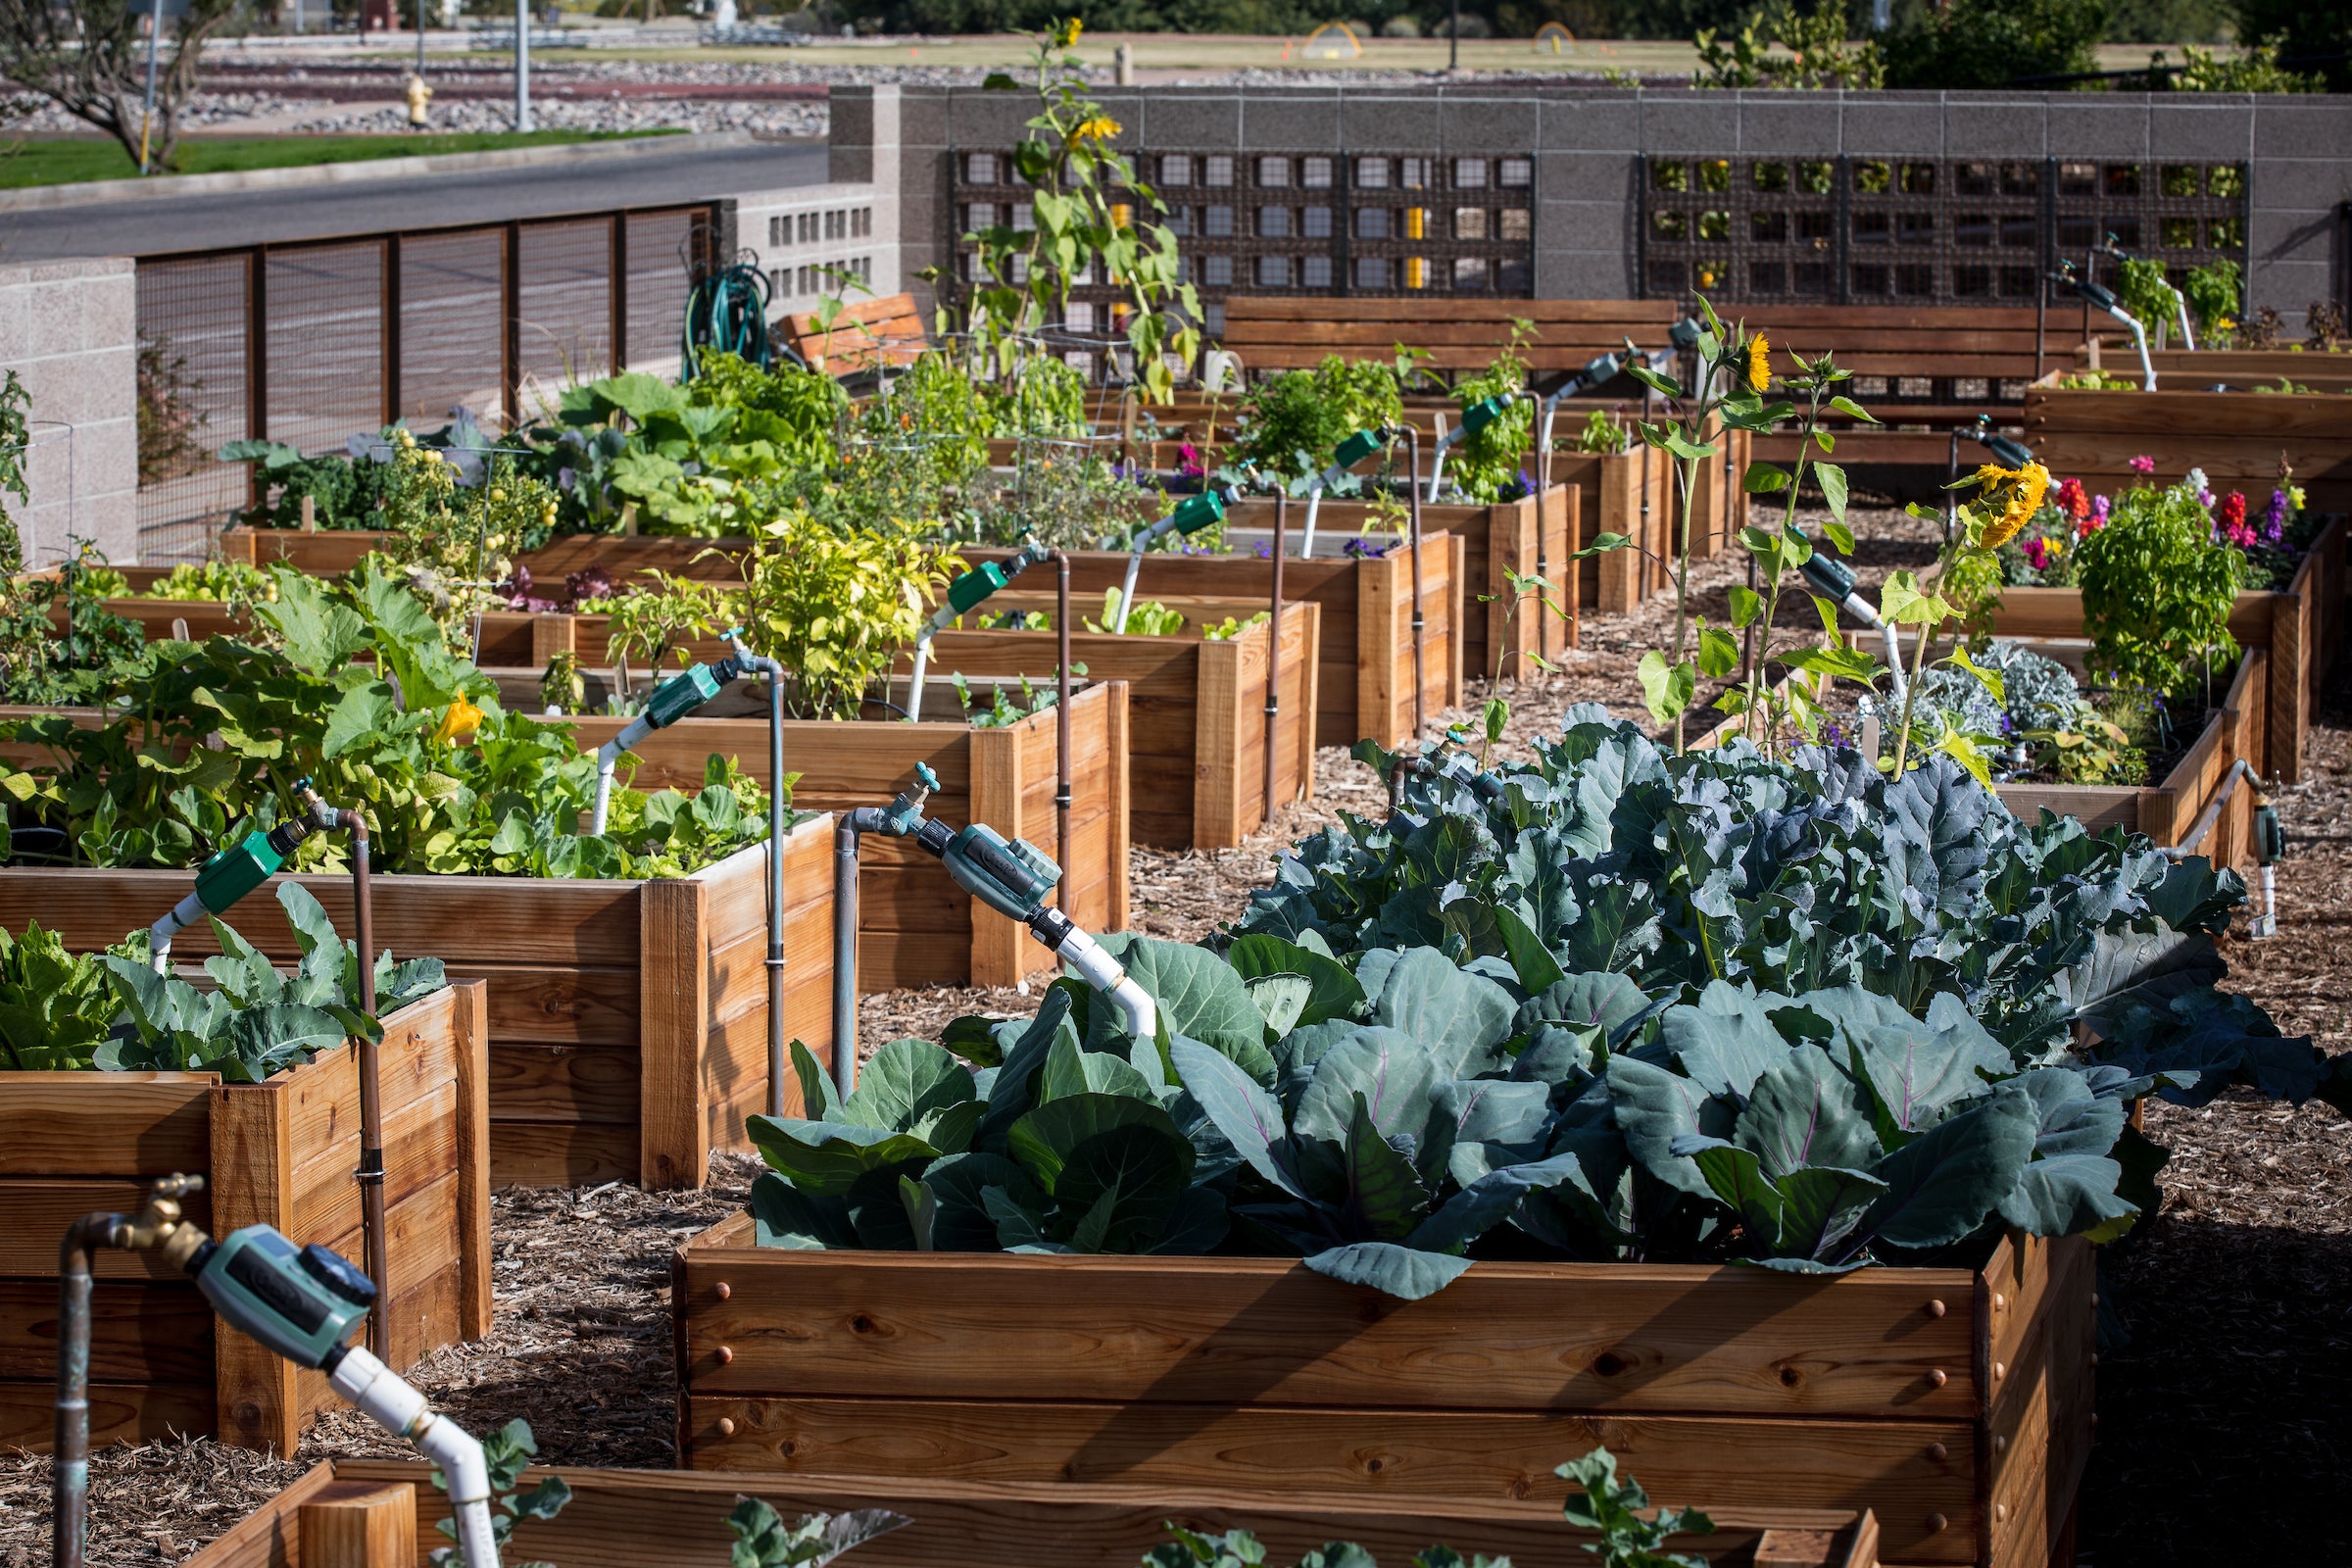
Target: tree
{"points": [[1976, 44], [2318, 36], [89, 58]]}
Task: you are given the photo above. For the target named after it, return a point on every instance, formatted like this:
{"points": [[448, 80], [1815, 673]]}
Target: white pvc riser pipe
{"points": [[607, 758], [186, 912], [391, 1404], [1104, 973]]}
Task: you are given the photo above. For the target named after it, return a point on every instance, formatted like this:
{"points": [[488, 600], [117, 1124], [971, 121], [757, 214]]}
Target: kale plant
{"points": [[1608, 854], [1607, 1507], [258, 1022], [763, 1539]]}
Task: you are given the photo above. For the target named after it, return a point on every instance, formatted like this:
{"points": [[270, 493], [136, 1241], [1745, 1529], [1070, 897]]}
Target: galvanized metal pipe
{"points": [[1412, 439], [70, 1481], [1061, 725], [1282, 503]]}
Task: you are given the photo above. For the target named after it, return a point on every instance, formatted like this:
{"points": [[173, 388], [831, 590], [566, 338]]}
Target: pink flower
{"points": [[2038, 553], [2144, 465], [1187, 461]]}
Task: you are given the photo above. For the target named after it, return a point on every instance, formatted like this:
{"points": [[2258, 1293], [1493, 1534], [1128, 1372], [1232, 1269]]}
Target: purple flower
{"points": [[2100, 505], [2273, 524], [1265, 551]]}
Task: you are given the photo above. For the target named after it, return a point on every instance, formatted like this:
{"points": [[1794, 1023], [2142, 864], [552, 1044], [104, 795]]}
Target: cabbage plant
{"points": [[1613, 1007]]}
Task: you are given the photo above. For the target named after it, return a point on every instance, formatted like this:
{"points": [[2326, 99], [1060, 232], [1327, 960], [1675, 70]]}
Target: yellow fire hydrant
{"points": [[420, 98]]}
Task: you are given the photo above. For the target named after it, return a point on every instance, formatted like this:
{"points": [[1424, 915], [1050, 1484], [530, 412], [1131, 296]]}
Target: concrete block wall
{"points": [[68, 331], [1589, 144], [852, 223]]}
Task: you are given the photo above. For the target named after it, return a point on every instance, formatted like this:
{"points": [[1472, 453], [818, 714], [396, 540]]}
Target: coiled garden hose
{"points": [[727, 313]]}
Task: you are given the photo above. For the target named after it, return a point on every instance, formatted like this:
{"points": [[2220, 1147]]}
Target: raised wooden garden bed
{"points": [[1510, 536], [1364, 683], [333, 552], [279, 1152], [1629, 493], [1953, 1403], [916, 926], [627, 1020], [2302, 630], [644, 1518], [2181, 370], [2237, 437], [1197, 719]]}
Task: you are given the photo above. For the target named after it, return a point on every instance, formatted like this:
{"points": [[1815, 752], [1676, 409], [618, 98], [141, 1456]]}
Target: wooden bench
{"points": [[885, 333], [1914, 365], [1292, 334]]}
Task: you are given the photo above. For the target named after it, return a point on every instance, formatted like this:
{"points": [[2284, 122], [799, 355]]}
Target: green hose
{"points": [[726, 314]]}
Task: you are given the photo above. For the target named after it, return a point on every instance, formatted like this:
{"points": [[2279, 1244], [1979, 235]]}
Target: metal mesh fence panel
{"points": [[663, 253], [564, 331], [194, 336], [323, 311], [452, 310]]}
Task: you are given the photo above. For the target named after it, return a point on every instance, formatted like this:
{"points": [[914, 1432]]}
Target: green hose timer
{"points": [[226, 878], [299, 1303]]}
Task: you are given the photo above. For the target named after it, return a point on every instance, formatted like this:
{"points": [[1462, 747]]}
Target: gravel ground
{"points": [[571, 94], [2227, 1410]]}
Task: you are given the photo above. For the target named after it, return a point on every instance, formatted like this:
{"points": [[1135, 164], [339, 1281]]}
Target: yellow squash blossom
{"points": [[2020, 492], [459, 722], [1759, 363]]}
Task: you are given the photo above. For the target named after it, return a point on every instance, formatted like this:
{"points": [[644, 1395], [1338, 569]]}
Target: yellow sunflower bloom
{"points": [[1759, 363], [459, 722], [1100, 128], [2019, 491], [1068, 33]]}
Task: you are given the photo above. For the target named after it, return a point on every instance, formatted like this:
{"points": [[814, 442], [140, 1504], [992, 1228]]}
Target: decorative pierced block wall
{"points": [[1851, 230], [1335, 225]]}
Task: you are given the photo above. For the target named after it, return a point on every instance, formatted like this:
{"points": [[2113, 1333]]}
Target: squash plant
{"points": [[209, 741]]}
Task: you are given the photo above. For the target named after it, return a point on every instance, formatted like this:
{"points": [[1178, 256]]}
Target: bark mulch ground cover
{"points": [[2226, 1390]]}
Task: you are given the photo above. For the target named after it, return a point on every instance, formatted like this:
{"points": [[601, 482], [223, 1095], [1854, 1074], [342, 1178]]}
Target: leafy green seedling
{"points": [[506, 1454], [763, 1539]]}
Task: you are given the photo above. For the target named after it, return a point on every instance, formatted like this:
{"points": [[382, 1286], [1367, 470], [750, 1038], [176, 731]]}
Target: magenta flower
{"points": [[2144, 465]]}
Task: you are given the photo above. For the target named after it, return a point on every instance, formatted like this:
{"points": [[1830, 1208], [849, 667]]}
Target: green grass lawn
{"points": [[71, 162]]}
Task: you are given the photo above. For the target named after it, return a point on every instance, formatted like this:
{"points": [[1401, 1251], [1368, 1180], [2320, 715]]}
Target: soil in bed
{"points": [[2227, 1412]]}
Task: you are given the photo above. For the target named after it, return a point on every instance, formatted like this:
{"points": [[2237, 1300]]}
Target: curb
{"points": [[107, 192]]}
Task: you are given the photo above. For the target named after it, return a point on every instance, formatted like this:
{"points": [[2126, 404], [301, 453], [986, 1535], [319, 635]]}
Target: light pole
{"points": [[1453, 39], [522, 64], [155, 34]]}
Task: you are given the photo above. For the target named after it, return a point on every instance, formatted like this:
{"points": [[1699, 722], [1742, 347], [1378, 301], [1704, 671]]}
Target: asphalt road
{"points": [[156, 227]]}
